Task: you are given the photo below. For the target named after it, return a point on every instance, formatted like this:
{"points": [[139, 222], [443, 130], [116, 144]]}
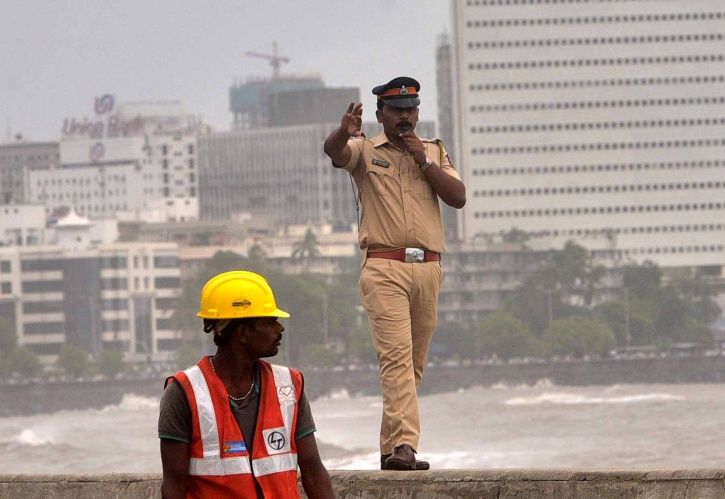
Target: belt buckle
{"points": [[414, 255]]}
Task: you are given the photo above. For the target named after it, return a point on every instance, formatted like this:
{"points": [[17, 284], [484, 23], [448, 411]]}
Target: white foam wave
{"points": [[573, 399], [30, 438], [541, 383], [366, 461], [341, 394], [133, 402]]}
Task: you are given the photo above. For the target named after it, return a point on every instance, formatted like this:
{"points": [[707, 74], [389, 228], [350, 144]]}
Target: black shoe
{"points": [[403, 459]]}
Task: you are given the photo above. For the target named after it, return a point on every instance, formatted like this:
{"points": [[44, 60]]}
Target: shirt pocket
{"points": [[421, 187], [382, 180]]}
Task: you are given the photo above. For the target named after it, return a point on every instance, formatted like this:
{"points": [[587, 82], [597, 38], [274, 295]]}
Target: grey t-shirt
{"points": [[175, 415]]}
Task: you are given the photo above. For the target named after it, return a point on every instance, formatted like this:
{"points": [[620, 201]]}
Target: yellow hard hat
{"points": [[238, 294]]}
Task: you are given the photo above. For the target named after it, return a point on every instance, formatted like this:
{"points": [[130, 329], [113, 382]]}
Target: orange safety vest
{"points": [[219, 462]]}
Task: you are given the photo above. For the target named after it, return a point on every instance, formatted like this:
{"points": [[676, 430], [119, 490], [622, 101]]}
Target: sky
{"points": [[57, 57]]}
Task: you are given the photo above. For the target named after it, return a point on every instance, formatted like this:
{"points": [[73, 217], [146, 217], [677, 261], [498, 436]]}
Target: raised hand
{"points": [[351, 122]]}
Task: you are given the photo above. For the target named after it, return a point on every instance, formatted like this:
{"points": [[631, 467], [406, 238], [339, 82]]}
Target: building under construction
{"points": [[287, 100]]}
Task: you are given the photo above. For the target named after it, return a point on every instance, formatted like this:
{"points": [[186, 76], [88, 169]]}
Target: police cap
{"points": [[399, 92]]}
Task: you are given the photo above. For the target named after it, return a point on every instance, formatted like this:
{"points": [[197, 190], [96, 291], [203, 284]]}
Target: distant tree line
{"points": [[326, 324], [565, 308], [554, 312]]}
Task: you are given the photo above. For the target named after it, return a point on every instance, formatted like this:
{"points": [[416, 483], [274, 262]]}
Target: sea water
{"points": [[541, 426]]}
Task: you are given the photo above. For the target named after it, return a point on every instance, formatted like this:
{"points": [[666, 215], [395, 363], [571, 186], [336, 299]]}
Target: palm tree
{"points": [[306, 247], [696, 287]]}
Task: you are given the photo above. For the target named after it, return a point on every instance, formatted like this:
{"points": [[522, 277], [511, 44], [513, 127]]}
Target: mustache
{"points": [[404, 126]]}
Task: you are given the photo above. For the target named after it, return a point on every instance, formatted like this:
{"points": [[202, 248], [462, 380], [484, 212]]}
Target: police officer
{"points": [[400, 178], [235, 426]]}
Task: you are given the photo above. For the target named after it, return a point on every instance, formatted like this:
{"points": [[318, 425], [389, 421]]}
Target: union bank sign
{"points": [[106, 124]]}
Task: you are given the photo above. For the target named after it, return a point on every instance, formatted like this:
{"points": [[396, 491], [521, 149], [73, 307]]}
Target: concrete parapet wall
{"points": [[478, 484]]}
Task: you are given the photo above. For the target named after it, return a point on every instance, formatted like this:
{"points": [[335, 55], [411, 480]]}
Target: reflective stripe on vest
{"points": [[274, 464], [205, 409], [214, 465], [282, 378], [219, 467]]}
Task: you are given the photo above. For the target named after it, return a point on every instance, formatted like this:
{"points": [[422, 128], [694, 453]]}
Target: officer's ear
{"points": [[379, 115]]}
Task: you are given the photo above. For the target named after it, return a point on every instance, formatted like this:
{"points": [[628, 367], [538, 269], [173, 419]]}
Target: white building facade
{"points": [[597, 121], [109, 297], [121, 163], [22, 225]]}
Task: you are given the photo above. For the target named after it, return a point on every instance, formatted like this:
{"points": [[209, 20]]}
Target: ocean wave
{"points": [[573, 399], [363, 461], [541, 383], [133, 402], [33, 439], [341, 394]]}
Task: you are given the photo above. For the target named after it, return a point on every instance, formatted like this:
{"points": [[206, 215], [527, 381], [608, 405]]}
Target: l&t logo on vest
{"points": [[276, 440]]}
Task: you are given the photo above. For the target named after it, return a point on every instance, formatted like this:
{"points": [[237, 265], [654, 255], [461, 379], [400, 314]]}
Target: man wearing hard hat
{"points": [[236, 426]]}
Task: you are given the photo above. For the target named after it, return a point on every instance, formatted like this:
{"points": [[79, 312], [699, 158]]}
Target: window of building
{"points": [[39, 265], [114, 262], [114, 304], [114, 283], [166, 261], [115, 325], [42, 307], [164, 324], [41, 286], [31, 328], [167, 282]]}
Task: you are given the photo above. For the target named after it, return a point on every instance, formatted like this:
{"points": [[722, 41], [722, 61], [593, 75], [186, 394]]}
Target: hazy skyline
{"points": [[57, 57]]}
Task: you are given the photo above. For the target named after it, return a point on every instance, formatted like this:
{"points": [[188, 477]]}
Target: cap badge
{"points": [[403, 90]]}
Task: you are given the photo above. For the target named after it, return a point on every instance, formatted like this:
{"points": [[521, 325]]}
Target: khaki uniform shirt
{"points": [[399, 207]]}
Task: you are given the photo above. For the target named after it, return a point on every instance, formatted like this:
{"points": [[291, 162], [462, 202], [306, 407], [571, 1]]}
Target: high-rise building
{"points": [[444, 83], [279, 174], [249, 101], [600, 121], [310, 106], [287, 101]]}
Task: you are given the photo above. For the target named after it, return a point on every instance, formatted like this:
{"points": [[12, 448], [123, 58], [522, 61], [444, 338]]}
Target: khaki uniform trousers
{"points": [[401, 300]]}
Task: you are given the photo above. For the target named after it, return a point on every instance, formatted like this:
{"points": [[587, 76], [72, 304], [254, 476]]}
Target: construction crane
{"points": [[274, 59]]}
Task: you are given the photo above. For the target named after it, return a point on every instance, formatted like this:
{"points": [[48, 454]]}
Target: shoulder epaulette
{"points": [[439, 143]]}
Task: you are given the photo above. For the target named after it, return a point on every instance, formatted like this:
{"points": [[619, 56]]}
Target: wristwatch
{"points": [[428, 163]]}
